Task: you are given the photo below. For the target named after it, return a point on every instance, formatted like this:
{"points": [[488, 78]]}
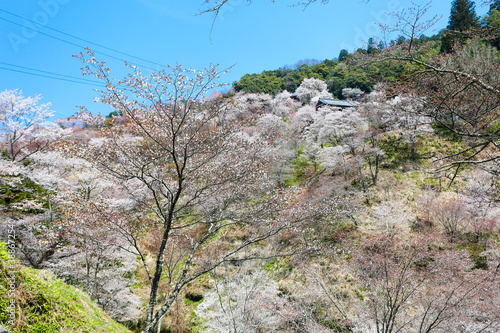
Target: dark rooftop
{"points": [[335, 102]]}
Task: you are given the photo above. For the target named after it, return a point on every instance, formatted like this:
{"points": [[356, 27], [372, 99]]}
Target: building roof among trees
{"points": [[334, 102]]}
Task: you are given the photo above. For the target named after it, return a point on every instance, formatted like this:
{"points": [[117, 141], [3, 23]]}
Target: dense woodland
{"points": [[191, 208]]}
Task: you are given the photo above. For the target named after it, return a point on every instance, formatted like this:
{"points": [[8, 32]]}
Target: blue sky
{"points": [[253, 38]]}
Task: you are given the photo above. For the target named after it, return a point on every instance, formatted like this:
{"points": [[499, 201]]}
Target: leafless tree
{"points": [[412, 285], [460, 92]]}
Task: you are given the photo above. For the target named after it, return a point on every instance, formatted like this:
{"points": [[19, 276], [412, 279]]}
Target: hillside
{"points": [[45, 304], [348, 70], [274, 207], [357, 184]]}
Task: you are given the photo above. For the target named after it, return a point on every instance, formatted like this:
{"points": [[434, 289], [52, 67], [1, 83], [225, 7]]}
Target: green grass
{"points": [[45, 304], [475, 249], [299, 168]]}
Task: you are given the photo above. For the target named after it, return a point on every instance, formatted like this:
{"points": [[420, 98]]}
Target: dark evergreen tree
{"points": [[343, 55], [371, 47], [492, 22], [462, 18], [400, 40]]}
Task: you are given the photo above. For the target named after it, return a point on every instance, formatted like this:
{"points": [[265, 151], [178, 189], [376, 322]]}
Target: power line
{"points": [[71, 43], [83, 40], [51, 77], [51, 73]]}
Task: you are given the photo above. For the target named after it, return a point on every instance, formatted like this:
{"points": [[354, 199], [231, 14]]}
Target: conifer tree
{"points": [[462, 18], [371, 48], [343, 55], [492, 22], [463, 15]]}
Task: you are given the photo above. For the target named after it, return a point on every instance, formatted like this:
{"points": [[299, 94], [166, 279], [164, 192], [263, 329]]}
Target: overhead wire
{"points": [[84, 40], [51, 77], [71, 43], [51, 73], [55, 78], [63, 77]]}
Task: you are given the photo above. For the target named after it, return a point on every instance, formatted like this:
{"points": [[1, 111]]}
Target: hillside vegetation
{"points": [[270, 208], [345, 71], [45, 304]]}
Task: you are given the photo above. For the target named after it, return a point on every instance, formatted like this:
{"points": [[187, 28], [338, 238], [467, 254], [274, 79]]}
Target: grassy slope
{"points": [[46, 304]]}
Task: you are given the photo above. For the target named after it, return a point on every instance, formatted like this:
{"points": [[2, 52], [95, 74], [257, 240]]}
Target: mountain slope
{"points": [[46, 304]]}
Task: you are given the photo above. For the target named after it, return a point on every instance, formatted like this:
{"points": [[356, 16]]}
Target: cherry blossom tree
{"points": [[37, 236], [336, 127], [333, 135], [243, 300], [247, 299], [192, 178], [409, 121], [24, 127], [284, 106], [304, 116], [31, 247], [310, 90], [480, 195], [249, 105], [381, 118], [352, 93], [391, 216], [98, 261], [84, 254]]}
